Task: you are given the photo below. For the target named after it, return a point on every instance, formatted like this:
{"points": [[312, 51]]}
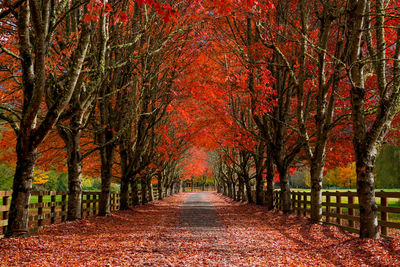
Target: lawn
{"points": [[392, 202]]}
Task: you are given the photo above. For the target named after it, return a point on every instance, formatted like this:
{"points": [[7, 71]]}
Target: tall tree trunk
{"points": [[316, 172], [106, 154], [365, 163], [159, 187], [259, 188], [269, 194], [230, 190], [150, 189], [144, 190], [73, 142], [240, 194], [124, 189], [124, 193], [285, 189], [22, 186], [248, 191], [135, 192]]}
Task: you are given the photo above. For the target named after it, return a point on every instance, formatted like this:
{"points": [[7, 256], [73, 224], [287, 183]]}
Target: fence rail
{"points": [[49, 207], [342, 209]]}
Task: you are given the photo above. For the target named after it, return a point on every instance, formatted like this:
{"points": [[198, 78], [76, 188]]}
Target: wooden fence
{"points": [[51, 207], [342, 209]]}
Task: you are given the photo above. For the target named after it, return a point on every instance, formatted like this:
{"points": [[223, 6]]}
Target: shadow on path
{"points": [[198, 214]]}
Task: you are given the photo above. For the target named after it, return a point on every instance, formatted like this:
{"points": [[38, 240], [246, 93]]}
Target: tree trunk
{"points": [[135, 192], [72, 140], [285, 190], [150, 189], [248, 191], [259, 188], [316, 172], [144, 190], [269, 195], [240, 194], [22, 185], [159, 187], [124, 189], [124, 193], [106, 154], [74, 174], [366, 194], [230, 191]]}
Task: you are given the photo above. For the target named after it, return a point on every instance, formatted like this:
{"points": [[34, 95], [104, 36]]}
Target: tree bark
{"points": [[73, 142], [316, 172], [22, 185], [135, 192], [124, 189], [230, 191], [248, 191], [180, 186], [269, 194], [259, 188], [285, 190], [144, 190], [159, 187], [366, 193], [240, 194], [150, 189], [124, 193], [106, 155]]}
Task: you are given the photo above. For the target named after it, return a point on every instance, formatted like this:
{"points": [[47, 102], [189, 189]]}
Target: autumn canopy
{"points": [[243, 92]]}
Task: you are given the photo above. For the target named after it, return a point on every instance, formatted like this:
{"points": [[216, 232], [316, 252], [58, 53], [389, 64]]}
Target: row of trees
{"points": [[301, 83], [129, 86], [93, 82]]}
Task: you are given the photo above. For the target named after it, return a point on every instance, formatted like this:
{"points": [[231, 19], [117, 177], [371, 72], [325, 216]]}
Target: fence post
{"points": [[328, 208], [351, 210], [6, 202], [83, 197], [304, 204], [53, 207], [40, 209], [338, 207], [63, 207], [298, 207], [384, 214], [95, 203], [112, 201]]}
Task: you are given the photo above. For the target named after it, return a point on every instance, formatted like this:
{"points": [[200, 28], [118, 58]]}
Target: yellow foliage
{"points": [[40, 177], [342, 176], [307, 178]]}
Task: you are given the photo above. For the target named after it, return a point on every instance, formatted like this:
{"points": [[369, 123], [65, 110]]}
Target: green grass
{"points": [[35, 199], [392, 202]]}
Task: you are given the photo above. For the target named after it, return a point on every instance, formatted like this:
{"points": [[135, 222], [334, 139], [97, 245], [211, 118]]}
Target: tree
{"points": [[367, 31], [41, 20]]}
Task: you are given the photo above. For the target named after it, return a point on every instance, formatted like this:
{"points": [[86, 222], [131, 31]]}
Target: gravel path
{"points": [[198, 214]]}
